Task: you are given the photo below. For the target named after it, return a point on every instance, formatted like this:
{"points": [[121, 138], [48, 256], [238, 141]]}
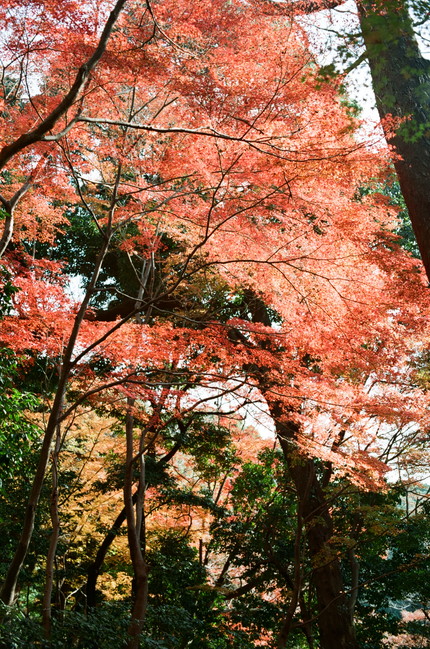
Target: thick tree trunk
{"points": [[401, 81], [335, 622]]}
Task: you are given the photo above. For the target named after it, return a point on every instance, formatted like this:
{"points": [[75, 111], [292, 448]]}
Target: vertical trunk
{"points": [[335, 622], [135, 524], [96, 566], [53, 541], [401, 81]]}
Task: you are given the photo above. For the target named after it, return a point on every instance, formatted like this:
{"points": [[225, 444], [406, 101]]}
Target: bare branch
{"points": [[207, 131], [60, 134], [9, 206]]}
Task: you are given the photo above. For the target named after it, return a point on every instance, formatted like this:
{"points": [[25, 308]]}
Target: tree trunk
{"points": [[53, 541], [401, 81], [335, 622], [95, 568], [135, 525]]}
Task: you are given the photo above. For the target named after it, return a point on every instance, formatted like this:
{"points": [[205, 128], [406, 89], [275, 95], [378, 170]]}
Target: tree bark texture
{"points": [[335, 622], [401, 81]]}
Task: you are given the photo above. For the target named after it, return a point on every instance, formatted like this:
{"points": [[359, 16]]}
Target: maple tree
{"points": [[183, 163]]}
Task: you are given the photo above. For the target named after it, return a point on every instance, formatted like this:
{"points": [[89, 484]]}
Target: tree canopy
{"points": [[214, 340]]}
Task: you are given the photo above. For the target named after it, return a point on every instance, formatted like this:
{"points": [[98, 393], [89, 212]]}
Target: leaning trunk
{"points": [[97, 565], [7, 593], [95, 568]]}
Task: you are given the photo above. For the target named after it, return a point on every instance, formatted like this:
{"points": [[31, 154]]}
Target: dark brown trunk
{"points": [[335, 622], [401, 81]]}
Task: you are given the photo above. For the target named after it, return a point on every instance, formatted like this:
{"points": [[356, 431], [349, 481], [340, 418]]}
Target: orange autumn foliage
{"points": [[204, 157]]}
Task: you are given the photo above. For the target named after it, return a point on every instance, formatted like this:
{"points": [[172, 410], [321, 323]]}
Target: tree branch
{"points": [[38, 133]]}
